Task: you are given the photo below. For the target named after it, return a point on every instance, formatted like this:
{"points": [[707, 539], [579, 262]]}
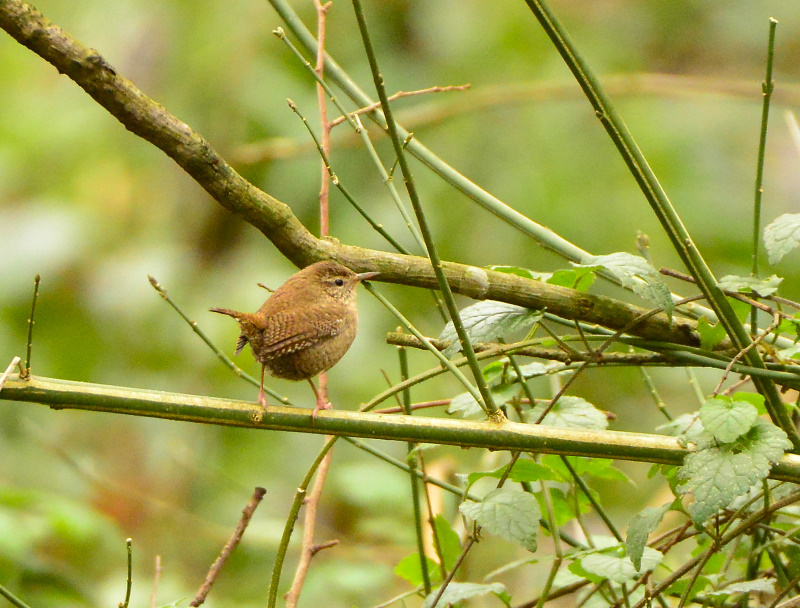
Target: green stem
{"points": [[486, 401], [412, 465], [12, 598], [27, 369], [588, 493], [766, 88]]}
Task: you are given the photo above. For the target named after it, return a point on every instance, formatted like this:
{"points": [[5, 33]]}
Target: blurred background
{"points": [[94, 210]]}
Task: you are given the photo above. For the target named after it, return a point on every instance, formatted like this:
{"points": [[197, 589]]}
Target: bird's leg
{"points": [[322, 403], [262, 398]]}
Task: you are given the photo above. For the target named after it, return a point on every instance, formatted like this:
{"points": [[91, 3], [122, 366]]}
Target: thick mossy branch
{"points": [[59, 394], [149, 120]]}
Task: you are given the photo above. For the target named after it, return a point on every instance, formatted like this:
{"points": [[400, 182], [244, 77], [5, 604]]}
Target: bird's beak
{"points": [[366, 275]]}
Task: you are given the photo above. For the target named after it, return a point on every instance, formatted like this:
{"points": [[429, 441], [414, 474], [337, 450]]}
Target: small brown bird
{"points": [[305, 326]]}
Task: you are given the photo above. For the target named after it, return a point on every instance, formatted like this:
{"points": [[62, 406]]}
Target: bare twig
{"points": [[232, 543], [398, 95], [776, 320]]}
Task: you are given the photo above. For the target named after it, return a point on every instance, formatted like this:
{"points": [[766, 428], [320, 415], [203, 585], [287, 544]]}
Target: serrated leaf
{"points": [[616, 566], [716, 474], [626, 268], [710, 335], [449, 542], [781, 236], [409, 568], [726, 419], [761, 585], [761, 287], [487, 321], [509, 513], [523, 470], [457, 592], [570, 413], [640, 528]]}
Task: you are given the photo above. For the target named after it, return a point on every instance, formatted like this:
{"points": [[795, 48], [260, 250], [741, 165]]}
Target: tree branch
{"points": [[61, 394]]}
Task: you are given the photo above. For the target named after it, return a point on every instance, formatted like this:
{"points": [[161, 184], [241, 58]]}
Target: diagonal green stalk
{"points": [[12, 598], [486, 401], [663, 209]]}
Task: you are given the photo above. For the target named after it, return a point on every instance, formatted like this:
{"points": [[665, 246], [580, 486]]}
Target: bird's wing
{"points": [[286, 333]]}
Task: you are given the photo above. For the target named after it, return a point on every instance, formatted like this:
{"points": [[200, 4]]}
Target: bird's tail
{"points": [[244, 319], [227, 311]]}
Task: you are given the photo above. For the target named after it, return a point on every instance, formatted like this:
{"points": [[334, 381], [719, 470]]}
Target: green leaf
{"points": [[760, 287], [710, 335], [642, 524], [531, 370], [600, 468], [626, 268], [487, 321], [726, 419], [520, 272], [449, 541], [507, 512], [523, 470], [409, 568], [716, 474], [579, 279], [564, 505], [753, 398], [615, 566], [465, 405], [456, 592], [761, 585], [572, 413], [678, 588], [781, 236]]}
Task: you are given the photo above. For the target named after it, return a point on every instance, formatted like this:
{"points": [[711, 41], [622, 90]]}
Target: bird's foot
{"points": [[322, 404]]}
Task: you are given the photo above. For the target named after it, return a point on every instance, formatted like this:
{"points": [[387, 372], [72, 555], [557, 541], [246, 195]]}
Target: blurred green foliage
{"points": [[94, 210]]}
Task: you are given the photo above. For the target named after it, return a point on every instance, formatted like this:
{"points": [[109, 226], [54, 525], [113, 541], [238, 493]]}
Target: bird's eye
{"points": [[339, 282]]}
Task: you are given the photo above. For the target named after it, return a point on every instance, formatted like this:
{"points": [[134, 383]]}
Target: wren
{"points": [[305, 326]]}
